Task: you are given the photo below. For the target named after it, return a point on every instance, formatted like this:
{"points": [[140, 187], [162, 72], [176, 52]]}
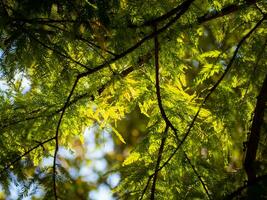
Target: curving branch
{"points": [[157, 85], [167, 15], [163, 140], [140, 63], [57, 133]]}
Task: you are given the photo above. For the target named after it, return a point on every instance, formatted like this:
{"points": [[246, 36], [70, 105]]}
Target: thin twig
{"points": [[146, 187], [198, 176], [56, 51], [40, 144], [161, 148], [57, 133]]}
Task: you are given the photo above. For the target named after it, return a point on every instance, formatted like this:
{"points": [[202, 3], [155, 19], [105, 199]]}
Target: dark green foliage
{"points": [[134, 69]]}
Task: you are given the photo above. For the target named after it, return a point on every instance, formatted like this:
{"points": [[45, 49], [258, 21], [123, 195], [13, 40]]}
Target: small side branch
{"points": [[40, 144], [55, 50], [198, 176], [161, 148]]}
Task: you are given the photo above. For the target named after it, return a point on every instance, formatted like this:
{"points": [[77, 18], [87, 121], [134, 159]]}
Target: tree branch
{"points": [[210, 15], [168, 124], [55, 50], [40, 144], [163, 140], [57, 133], [198, 176], [184, 8], [140, 62], [167, 15], [224, 11], [246, 185], [160, 105], [254, 137]]}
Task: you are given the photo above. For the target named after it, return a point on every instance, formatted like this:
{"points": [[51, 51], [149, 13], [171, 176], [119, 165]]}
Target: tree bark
{"points": [[254, 136]]}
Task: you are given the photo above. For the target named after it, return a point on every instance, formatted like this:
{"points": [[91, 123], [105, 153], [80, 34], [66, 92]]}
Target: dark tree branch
{"points": [[40, 144], [160, 105], [167, 15], [55, 50], [146, 187], [198, 176], [57, 133], [162, 144], [254, 136], [229, 66], [168, 124], [184, 8], [210, 15], [224, 11], [141, 61], [246, 185]]}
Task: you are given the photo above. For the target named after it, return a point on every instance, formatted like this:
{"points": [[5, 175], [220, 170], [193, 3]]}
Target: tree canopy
{"points": [[178, 86]]}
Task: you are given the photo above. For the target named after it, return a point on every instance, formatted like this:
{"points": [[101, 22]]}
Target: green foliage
{"points": [[69, 65]]}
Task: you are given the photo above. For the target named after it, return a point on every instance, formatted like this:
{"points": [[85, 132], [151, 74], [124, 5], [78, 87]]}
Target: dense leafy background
{"points": [[176, 90]]}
